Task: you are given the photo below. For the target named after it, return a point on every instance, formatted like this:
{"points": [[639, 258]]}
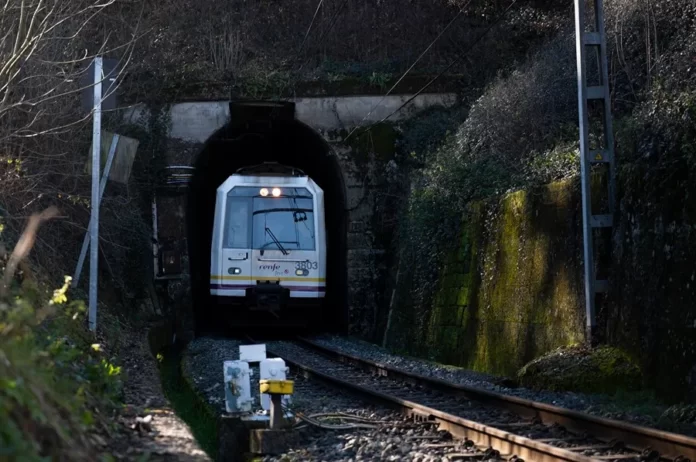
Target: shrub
{"points": [[580, 369], [54, 385], [522, 129]]}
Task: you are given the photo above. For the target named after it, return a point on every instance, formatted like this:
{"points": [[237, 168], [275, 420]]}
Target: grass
{"points": [[187, 404]]}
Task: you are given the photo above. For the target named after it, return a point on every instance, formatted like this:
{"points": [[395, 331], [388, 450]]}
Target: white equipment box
{"points": [[272, 369], [237, 386]]}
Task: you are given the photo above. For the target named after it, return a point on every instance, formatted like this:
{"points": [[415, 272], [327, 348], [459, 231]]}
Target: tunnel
{"points": [[260, 132]]}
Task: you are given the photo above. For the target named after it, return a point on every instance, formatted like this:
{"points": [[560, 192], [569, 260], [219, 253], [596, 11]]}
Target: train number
{"points": [[306, 265]]}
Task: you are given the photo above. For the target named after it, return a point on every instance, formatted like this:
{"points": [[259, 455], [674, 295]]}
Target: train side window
{"points": [[237, 232]]}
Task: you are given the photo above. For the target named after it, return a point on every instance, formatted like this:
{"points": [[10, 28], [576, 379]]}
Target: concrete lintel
{"points": [[196, 121]]}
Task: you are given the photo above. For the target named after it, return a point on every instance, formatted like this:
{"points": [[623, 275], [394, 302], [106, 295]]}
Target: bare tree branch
{"points": [[24, 246]]}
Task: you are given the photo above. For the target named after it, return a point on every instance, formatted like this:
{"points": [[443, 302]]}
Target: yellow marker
{"points": [[276, 387]]}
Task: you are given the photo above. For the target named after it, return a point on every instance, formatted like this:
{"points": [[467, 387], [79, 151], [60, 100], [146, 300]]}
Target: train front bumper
{"points": [[268, 296]]}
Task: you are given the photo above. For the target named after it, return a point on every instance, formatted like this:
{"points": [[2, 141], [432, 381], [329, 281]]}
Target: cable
{"points": [[498, 19], [312, 420], [304, 41], [333, 21], [358, 422], [309, 29], [403, 76]]}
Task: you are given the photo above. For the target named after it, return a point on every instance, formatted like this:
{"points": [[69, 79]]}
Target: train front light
{"points": [[264, 192], [276, 192], [234, 271], [301, 272]]}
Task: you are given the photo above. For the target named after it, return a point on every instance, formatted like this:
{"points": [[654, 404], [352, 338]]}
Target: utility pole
{"points": [[600, 157], [102, 187], [93, 101], [94, 220]]}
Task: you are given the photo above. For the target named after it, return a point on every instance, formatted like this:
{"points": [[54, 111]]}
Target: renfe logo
{"points": [[273, 267]]}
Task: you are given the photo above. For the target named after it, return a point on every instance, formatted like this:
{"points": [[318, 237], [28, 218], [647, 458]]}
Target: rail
{"points": [[646, 443]]}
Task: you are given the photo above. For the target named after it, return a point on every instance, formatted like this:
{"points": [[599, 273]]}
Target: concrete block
{"points": [[196, 121], [233, 439], [272, 442]]}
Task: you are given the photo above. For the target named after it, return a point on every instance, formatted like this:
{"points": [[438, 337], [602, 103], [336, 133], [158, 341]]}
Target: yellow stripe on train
{"points": [[265, 278]]}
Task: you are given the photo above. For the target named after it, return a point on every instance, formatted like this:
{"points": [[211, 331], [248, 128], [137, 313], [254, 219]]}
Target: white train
{"points": [[268, 249]]}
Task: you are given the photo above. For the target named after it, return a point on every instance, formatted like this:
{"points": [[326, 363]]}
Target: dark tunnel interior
{"points": [[257, 133]]}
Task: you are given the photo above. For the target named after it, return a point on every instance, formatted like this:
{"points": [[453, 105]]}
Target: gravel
{"points": [[592, 404], [449, 373], [202, 365], [395, 437]]}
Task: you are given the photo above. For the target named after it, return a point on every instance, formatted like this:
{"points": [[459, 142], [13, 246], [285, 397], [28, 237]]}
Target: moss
{"points": [[190, 406], [376, 144], [605, 369], [506, 292]]}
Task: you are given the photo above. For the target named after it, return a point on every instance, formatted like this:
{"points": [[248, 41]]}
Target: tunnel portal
{"points": [[260, 132]]}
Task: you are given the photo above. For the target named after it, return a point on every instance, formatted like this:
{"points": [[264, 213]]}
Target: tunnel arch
{"points": [[260, 132]]}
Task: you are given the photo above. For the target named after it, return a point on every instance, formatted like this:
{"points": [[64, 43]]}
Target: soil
{"points": [[148, 428]]}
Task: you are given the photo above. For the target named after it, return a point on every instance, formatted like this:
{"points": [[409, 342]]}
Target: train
{"points": [[221, 266], [268, 250]]}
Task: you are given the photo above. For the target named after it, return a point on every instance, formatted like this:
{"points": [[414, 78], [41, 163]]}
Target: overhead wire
{"points": [[304, 41], [332, 23], [422, 89], [309, 29], [403, 76]]}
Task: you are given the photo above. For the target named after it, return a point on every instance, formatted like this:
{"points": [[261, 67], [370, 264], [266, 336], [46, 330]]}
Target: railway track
{"points": [[488, 423]]}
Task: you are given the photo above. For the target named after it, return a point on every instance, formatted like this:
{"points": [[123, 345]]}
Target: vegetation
{"points": [[57, 387], [580, 369], [515, 131], [191, 407], [521, 133], [59, 384], [263, 49]]}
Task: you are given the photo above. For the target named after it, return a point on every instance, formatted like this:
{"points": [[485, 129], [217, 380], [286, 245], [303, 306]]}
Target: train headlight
{"points": [[235, 271], [264, 192], [276, 192], [302, 272]]}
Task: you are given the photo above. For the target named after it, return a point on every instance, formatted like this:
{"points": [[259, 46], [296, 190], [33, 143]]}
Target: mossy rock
{"points": [[683, 413], [581, 369]]}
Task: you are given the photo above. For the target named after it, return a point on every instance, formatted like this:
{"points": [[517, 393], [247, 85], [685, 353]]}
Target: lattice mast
{"points": [[596, 153]]}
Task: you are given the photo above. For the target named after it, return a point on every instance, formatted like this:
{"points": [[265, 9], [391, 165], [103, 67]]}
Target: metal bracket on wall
{"points": [[589, 42]]}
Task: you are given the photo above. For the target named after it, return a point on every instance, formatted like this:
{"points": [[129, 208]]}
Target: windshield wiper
{"points": [[276, 241]]}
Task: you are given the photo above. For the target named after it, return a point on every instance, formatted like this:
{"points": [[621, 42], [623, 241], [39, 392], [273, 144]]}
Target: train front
{"points": [[268, 255]]}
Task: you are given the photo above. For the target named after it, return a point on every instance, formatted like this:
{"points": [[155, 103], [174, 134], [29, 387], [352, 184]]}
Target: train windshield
{"points": [[282, 223]]}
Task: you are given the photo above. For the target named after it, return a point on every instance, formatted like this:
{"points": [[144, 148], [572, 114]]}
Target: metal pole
{"points": [[593, 40], [94, 221], [584, 174], [102, 187]]}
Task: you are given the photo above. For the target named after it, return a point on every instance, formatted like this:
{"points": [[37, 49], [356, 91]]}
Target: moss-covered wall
{"points": [[653, 310], [513, 289]]}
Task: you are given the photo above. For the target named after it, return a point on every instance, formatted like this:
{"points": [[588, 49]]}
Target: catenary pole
{"points": [[102, 187], [94, 220], [593, 43]]}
